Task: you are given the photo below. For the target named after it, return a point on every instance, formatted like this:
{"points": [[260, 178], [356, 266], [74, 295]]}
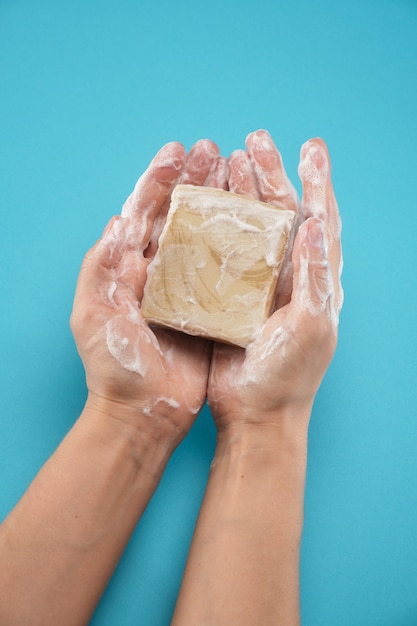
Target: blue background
{"points": [[89, 91]]}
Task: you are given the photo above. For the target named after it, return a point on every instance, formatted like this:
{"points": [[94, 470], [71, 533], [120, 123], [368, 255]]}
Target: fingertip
{"points": [[199, 162], [206, 146], [237, 154], [108, 228], [314, 141], [259, 140], [259, 133], [170, 157], [314, 161], [172, 146]]}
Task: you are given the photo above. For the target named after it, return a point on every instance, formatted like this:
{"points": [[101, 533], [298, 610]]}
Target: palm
{"points": [[162, 373], [259, 173], [285, 364]]}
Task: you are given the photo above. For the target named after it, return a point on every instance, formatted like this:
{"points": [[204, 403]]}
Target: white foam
{"points": [[127, 353], [170, 402], [111, 291], [277, 342]]}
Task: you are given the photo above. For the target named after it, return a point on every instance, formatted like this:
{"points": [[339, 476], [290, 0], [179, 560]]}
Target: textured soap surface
{"points": [[218, 262]]}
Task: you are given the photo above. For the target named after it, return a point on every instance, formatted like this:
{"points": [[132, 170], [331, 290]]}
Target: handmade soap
{"points": [[217, 266]]}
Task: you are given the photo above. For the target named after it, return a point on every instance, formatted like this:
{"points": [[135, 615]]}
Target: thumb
{"points": [[313, 290], [96, 276]]}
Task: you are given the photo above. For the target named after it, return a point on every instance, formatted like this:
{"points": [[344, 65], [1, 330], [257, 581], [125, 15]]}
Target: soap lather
{"points": [[217, 266]]}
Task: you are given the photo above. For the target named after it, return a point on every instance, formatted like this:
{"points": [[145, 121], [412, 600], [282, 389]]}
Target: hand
{"points": [[282, 369], [156, 378]]}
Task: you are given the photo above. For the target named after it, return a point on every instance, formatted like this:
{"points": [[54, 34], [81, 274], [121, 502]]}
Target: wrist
{"points": [[121, 426], [263, 447], [286, 427]]}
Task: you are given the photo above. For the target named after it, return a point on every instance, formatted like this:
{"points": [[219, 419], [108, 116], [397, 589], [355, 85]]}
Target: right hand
{"points": [[280, 372]]}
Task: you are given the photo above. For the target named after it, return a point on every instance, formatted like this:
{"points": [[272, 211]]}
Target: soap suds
{"points": [[314, 169], [126, 338], [313, 293], [317, 177], [225, 220], [126, 352], [255, 365], [111, 291], [281, 191], [278, 341], [170, 402]]}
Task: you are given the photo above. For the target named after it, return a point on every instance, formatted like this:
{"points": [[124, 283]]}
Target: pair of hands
{"points": [[159, 379]]}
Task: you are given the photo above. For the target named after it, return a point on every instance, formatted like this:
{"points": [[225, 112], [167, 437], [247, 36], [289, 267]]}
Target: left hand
{"points": [[156, 378]]}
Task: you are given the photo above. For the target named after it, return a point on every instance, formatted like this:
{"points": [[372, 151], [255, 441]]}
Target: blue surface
{"points": [[88, 92]]}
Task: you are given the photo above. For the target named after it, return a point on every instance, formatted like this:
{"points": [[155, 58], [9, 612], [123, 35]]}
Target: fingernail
{"points": [[316, 234]]}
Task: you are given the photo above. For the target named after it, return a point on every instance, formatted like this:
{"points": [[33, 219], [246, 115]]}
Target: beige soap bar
{"points": [[216, 269]]}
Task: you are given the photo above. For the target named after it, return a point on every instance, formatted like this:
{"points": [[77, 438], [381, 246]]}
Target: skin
{"points": [[62, 541], [243, 566]]}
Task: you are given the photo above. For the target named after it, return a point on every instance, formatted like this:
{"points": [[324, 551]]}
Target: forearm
{"points": [[60, 544], [243, 566]]}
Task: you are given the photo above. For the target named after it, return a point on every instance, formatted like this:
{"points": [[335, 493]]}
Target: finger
{"points": [[94, 286], [127, 263], [241, 175], [198, 165], [112, 244], [151, 193], [217, 177], [201, 159], [313, 288], [285, 281], [272, 181], [106, 275], [319, 201]]}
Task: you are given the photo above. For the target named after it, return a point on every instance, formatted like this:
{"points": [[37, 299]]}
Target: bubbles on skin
{"points": [[277, 341], [249, 367], [283, 194], [256, 363], [126, 352], [314, 294], [169, 160], [314, 169], [275, 187], [127, 232], [119, 332], [180, 366], [170, 402], [114, 240], [217, 176], [241, 176], [110, 293]]}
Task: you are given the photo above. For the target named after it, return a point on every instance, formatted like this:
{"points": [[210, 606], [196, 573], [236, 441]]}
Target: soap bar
{"points": [[217, 266]]}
